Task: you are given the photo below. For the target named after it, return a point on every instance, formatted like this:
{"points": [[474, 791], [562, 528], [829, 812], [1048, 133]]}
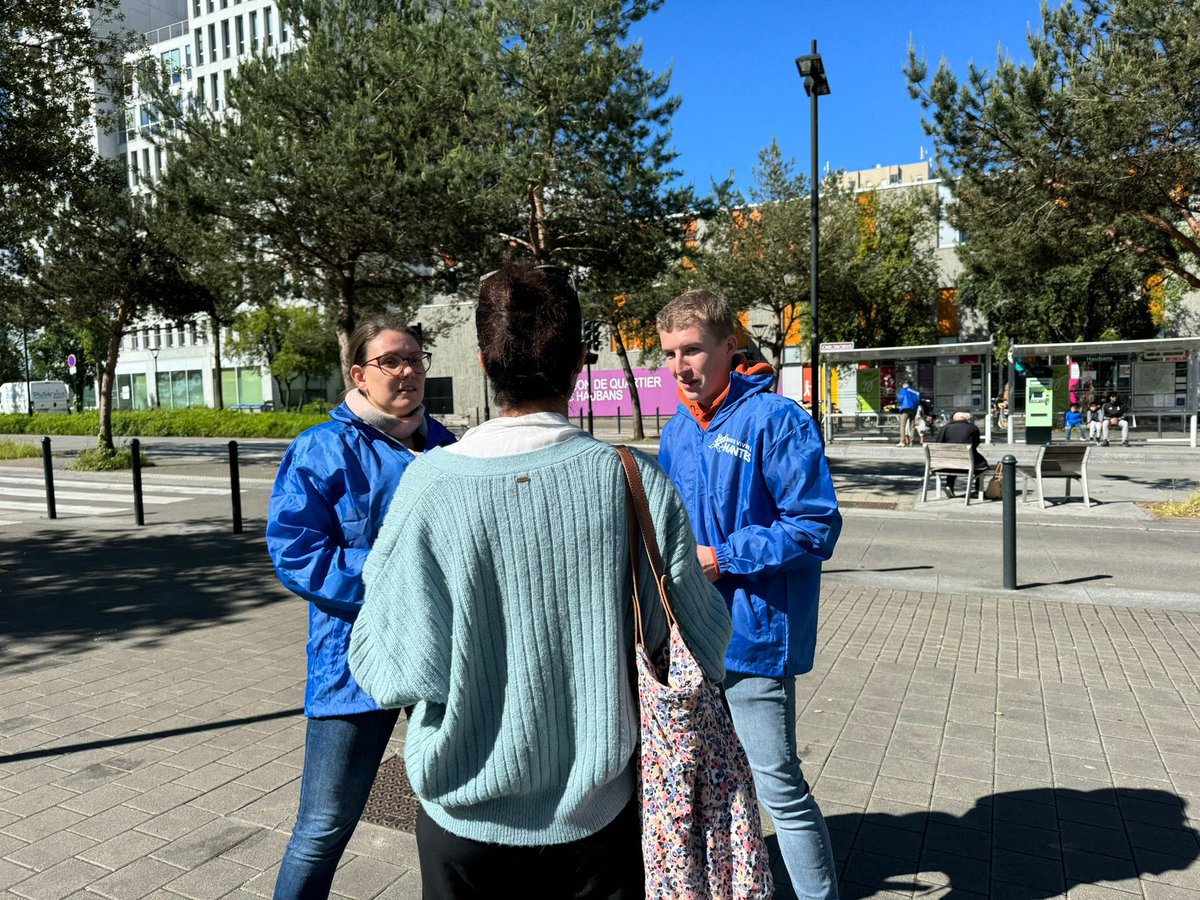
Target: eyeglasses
{"points": [[393, 364]]}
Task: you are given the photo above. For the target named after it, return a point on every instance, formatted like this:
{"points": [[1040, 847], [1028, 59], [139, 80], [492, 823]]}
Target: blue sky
{"points": [[734, 65]]}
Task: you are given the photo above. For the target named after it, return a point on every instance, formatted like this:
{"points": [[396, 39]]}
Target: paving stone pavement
{"points": [[958, 745]]}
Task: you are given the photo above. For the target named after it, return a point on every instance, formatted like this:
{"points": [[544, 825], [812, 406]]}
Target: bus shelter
{"points": [[1157, 379], [951, 376]]}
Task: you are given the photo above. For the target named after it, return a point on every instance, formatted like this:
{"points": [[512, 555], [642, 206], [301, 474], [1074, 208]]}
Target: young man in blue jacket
{"points": [[751, 468]]}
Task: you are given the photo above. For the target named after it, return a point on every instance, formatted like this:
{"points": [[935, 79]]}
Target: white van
{"points": [[48, 397]]}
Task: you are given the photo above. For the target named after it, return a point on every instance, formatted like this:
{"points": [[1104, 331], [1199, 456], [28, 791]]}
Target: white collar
{"points": [[510, 435]]}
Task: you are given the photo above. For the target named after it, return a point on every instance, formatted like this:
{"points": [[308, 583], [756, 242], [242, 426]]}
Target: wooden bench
{"points": [[1066, 461], [953, 459]]}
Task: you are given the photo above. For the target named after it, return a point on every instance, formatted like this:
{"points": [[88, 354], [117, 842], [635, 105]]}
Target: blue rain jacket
{"points": [[331, 494], [909, 399], [758, 490]]}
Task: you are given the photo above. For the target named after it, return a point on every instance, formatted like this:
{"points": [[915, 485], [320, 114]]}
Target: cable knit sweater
{"points": [[498, 600]]}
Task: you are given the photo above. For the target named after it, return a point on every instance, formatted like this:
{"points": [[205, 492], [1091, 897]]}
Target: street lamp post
{"points": [[157, 399], [812, 70]]}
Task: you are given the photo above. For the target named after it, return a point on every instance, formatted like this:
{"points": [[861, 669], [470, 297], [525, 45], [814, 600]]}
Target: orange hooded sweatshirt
{"points": [[704, 414]]}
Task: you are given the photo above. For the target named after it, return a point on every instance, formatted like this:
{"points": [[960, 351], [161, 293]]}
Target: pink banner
{"points": [[610, 392]]}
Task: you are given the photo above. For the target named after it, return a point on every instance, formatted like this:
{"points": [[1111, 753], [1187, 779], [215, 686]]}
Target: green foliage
{"points": [[17, 450], [100, 265], [193, 422], [46, 103], [101, 459], [878, 276], [1089, 149], [354, 164], [295, 341], [588, 178]]}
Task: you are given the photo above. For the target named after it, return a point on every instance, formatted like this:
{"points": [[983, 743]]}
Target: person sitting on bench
{"points": [[961, 430], [1114, 414]]}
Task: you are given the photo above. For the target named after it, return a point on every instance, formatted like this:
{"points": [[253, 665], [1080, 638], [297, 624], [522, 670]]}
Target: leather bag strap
{"points": [[636, 496]]}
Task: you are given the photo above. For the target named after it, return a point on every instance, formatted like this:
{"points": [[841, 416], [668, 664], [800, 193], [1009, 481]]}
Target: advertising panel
{"points": [[610, 392]]}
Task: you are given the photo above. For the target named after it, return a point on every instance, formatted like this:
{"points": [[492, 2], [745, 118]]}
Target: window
{"points": [[268, 38], [225, 39], [224, 4], [200, 98], [146, 162], [242, 385], [241, 36], [210, 5], [439, 395], [131, 392], [254, 31], [216, 91], [158, 162], [282, 30], [172, 64], [133, 168], [196, 8], [180, 389], [187, 59], [212, 43]]}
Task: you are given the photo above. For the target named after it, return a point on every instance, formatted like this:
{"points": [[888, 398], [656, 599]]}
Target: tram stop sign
{"points": [[71, 363]]}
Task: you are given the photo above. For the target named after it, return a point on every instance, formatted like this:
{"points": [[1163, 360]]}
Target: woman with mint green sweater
{"points": [[498, 600]]}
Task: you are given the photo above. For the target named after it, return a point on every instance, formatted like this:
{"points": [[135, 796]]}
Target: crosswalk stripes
{"points": [[25, 496]]}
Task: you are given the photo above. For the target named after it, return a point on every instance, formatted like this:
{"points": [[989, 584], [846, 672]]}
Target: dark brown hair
{"points": [[529, 325], [369, 329]]}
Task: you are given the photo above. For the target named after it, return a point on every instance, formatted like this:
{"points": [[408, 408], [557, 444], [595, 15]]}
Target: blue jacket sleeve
{"points": [[808, 522], [307, 545]]}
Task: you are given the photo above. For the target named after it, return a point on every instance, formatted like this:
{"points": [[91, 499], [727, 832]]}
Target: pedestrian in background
{"points": [[332, 491], [907, 402], [499, 601], [751, 467]]}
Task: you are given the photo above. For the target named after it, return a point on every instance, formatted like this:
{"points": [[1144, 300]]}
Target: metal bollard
{"points": [[139, 509], [1009, 468], [657, 422], [235, 487], [581, 418], [618, 420], [48, 473]]}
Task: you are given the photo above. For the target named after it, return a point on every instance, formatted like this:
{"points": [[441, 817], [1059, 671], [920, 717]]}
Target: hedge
{"points": [[193, 422]]}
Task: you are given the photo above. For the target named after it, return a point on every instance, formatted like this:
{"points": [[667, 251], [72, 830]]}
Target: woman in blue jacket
{"points": [[333, 489]]}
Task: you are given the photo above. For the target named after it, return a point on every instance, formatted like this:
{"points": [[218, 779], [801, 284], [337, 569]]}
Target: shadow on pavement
{"points": [[886, 569], [61, 591], [1080, 580], [145, 737], [1032, 843]]}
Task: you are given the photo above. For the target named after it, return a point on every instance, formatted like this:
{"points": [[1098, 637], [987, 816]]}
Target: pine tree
{"points": [[1091, 147]]}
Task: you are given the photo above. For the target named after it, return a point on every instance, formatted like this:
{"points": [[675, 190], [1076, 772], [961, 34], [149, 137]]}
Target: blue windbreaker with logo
{"points": [[758, 490], [331, 494]]}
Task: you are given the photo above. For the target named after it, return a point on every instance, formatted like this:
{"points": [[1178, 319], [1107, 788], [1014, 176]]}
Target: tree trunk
{"points": [[635, 415], [218, 385], [345, 325], [108, 374]]}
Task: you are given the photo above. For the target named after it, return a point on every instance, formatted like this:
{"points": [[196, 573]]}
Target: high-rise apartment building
{"points": [[201, 43]]}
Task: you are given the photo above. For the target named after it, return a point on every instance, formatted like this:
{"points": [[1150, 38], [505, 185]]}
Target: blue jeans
{"points": [[341, 757], [1071, 428], [764, 717]]}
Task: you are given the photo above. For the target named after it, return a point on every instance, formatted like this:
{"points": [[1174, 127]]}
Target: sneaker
{"points": [[1124, 443], [1104, 443], [948, 493]]}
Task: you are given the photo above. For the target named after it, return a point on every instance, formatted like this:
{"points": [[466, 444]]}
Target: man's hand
{"points": [[1112, 421], [708, 562]]}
